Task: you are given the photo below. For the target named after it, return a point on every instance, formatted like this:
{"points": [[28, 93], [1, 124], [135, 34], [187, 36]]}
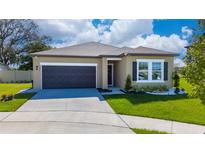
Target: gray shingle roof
{"points": [[149, 51], [95, 49]]}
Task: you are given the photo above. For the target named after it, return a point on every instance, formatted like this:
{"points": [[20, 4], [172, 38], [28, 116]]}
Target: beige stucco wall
{"points": [[37, 73], [104, 73], [121, 69], [120, 72]]}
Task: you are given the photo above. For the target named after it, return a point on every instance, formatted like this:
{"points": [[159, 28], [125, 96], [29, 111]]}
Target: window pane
{"points": [[156, 66], [143, 76], [156, 71], [143, 71], [143, 65], [156, 75]]}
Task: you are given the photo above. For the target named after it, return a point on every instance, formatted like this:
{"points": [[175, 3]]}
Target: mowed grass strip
{"points": [[146, 131]]}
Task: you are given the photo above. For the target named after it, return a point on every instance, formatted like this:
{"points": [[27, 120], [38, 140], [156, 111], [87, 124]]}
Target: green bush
{"points": [[128, 84], [149, 88], [9, 97], [3, 97], [176, 79]]}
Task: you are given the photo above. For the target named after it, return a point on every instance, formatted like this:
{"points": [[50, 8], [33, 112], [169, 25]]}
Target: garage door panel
{"points": [[68, 77]]}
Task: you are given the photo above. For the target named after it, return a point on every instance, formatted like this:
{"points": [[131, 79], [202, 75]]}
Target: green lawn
{"points": [[13, 88], [146, 131], [18, 100], [14, 104], [178, 108]]}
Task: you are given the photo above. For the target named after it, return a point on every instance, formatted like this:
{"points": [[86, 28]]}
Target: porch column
{"points": [[104, 73]]}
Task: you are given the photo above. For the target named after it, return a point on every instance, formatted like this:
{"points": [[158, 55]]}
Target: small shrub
{"points": [[3, 97], [128, 84], [150, 88], [163, 88], [135, 87], [10, 97], [132, 89], [176, 79]]}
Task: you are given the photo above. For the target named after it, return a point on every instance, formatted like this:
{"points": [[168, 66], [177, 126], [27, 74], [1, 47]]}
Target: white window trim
{"points": [[150, 70], [66, 64]]}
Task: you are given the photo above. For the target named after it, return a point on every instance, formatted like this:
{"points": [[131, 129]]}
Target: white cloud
{"points": [[123, 30], [68, 31], [168, 43], [187, 32], [102, 28], [134, 33]]}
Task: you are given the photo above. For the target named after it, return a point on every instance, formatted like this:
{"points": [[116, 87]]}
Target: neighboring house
{"points": [[3, 67], [96, 65]]}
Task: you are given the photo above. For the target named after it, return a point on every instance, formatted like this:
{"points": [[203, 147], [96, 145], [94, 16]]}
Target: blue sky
{"points": [[167, 27], [164, 27], [168, 35]]}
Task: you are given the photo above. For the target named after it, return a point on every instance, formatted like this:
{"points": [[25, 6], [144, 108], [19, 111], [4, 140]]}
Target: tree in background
{"points": [[14, 35], [194, 71], [19, 38], [40, 44]]}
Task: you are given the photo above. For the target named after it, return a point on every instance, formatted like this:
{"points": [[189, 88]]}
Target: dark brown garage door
{"points": [[58, 77]]}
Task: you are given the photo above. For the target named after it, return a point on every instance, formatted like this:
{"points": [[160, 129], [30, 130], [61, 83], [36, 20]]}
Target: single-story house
{"points": [[96, 65]]}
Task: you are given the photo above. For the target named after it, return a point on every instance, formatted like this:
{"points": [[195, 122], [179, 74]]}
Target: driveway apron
{"points": [[65, 111]]}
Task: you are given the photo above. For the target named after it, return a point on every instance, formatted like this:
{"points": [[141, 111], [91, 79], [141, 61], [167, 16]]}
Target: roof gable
{"points": [[96, 49]]}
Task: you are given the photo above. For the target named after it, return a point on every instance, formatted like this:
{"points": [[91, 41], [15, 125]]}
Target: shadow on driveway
{"points": [[68, 93]]}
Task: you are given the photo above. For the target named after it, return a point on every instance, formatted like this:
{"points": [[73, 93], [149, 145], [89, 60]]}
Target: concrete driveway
{"points": [[64, 111]]}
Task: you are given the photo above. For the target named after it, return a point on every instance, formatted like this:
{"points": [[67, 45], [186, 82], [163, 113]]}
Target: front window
{"points": [[143, 71], [156, 71], [150, 70]]}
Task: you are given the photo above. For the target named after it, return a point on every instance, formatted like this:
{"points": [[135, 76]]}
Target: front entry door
{"points": [[110, 74]]}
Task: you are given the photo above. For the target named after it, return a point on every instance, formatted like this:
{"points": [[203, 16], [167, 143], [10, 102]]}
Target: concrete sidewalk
{"points": [[87, 122], [162, 125]]}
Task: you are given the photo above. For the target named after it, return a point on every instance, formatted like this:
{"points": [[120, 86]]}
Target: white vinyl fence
{"points": [[16, 76]]}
